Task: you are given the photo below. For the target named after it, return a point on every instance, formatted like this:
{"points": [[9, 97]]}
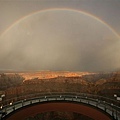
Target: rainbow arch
{"points": [[67, 9]]}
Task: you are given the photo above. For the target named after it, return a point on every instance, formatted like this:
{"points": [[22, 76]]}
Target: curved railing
{"points": [[109, 106]]}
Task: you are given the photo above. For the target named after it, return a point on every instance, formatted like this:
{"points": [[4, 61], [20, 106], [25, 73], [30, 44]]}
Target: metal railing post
{"points": [[104, 106], [22, 103]]}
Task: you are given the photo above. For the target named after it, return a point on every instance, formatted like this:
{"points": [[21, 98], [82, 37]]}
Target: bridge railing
{"points": [[107, 105]]}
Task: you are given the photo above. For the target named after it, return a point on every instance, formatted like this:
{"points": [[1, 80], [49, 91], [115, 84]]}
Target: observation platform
{"points": [[96, 107]]}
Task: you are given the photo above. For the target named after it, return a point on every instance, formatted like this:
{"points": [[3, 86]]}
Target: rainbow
{"points": [[67, 9]]}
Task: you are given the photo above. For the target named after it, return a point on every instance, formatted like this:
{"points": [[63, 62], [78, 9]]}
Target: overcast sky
{"points": [[106, 10], [60, 39]]}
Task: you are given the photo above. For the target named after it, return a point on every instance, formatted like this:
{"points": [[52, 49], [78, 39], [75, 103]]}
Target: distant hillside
{"points": [[104, 84], [52, 74]]}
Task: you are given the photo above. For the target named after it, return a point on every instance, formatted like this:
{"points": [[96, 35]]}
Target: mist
{"points": [[60, 40]]}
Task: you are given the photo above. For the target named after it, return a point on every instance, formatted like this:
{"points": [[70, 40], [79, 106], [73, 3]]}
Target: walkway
{"points": [[108, 106]]}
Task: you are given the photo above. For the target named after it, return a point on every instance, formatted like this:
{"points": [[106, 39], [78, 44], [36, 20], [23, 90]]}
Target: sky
{"points": [[72, 35]]}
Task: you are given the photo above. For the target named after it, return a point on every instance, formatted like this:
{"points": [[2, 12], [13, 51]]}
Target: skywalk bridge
{"points": [[106, 106]]}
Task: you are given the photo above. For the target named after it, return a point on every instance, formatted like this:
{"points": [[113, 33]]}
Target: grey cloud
{"points": [[60, 40]]}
